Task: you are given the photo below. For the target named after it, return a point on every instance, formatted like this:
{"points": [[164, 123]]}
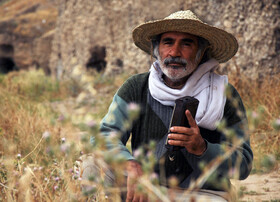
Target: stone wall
{"points": [[58, 35], [83, 25], [26, 26], [255, 24]]}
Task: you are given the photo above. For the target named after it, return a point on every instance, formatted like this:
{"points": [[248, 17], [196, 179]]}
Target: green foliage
{"points": [[34, 85], [268, 162], [2, 76]]}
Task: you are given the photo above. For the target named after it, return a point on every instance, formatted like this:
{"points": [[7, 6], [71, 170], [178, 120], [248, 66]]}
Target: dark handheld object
{"points": [[179, 117]]}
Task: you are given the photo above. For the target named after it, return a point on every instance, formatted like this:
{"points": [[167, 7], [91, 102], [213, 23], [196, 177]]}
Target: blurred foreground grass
{"points": [[262, 102], [45, 126]]}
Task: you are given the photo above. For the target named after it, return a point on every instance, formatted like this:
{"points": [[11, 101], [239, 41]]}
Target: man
{"points": [[187, 52]]}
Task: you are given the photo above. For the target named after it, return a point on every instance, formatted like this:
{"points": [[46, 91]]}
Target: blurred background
{"points": [[57, 35]]}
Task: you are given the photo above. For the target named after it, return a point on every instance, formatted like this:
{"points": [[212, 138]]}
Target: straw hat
{"points": [[223, 45]]}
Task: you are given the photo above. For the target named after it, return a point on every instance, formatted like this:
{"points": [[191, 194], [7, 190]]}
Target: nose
{"points": [[175, 51]]}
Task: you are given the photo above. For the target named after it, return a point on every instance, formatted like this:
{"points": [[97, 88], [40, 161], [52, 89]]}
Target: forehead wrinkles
{"points": [[178, 35]]}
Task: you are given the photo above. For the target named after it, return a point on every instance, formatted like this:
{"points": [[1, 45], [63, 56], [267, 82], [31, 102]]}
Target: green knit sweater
{"points": [[153, 123]]}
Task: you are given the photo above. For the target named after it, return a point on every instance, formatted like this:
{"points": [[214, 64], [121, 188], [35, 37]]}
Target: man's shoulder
{"points": [[232, 92], [141, 77], [137, 80], [134, 86], [234, 107]]}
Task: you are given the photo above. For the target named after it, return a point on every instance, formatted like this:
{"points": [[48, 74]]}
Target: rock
{"points": [[49, 35], [111, 22], [24, 25]]}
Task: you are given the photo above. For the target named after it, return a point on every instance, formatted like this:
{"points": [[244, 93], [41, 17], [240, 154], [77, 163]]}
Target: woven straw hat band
{"points": [[223, 45]]}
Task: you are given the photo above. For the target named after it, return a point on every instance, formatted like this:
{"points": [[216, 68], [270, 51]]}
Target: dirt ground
{"points": [[259, 187]]}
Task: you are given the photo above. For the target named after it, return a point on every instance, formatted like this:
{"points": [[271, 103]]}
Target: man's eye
{"points": [[167, 42], [187, 44]]}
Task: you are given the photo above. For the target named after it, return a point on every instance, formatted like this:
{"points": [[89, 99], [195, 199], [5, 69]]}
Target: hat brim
{"points": [[223, 45]]}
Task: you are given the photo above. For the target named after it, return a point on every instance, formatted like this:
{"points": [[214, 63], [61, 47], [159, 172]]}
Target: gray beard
{"points": [[186, 70]]}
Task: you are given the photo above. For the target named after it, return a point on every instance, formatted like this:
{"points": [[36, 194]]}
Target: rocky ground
{"points": [[259, 187]]}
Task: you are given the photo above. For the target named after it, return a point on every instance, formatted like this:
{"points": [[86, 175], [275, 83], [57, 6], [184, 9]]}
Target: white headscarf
{"points": [[203, 84]]}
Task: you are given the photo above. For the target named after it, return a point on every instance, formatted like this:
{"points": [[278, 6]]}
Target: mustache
{"points": [[177, 60]]}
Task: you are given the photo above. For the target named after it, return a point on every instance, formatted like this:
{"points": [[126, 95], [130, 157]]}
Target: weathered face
{"points": [[177, 53]]}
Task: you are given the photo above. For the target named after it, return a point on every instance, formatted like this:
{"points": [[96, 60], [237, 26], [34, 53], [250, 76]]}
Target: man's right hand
{"points": [[134, 171]]}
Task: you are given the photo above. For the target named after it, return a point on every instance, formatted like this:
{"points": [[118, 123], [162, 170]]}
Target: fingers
{"points": [[143, 198], [181, 130], [133, 198], [190, 118], [179, 139], [190, 138], [177, 143], [132, 195], [134, 172], [137, 198], [176, 136], [130, 190], [139, 170], [185, 130]]}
